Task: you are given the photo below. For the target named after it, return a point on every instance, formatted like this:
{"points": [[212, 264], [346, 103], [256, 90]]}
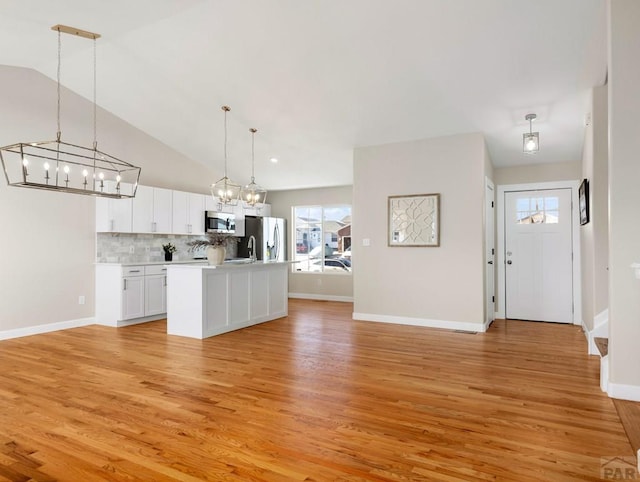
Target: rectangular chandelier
{"points": [[60, 166]]}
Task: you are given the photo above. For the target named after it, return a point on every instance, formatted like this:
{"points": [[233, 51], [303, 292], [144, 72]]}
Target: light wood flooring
{"points": [[314, 396]]}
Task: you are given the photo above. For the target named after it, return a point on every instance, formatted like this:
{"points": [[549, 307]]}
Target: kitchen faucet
{"points": [[251, 246]]}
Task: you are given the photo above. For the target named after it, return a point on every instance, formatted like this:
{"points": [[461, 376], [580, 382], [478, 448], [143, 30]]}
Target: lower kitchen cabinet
{"points": [[155, 295], [126, 295], [133, 291]]}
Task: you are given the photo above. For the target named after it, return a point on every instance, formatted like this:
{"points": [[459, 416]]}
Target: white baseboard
{"points": [[405, 320], [624, 392], [39, 329], [313, 296]]}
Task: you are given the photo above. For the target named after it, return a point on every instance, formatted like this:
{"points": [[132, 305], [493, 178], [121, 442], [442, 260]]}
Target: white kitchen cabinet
{"points": [[260, 210], [113, 215], [127, 295], [152, 211], [188, 212], [132, 297]]}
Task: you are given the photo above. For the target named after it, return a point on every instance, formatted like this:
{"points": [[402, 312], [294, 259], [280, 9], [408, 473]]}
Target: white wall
{"points": [[594, 236], [532, 173], [421, 284], [47, 238], [314, 285], [624, 198]]}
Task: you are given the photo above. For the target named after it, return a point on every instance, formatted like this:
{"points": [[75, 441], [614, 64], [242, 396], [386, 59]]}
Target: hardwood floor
{"points": [[315, 396]]}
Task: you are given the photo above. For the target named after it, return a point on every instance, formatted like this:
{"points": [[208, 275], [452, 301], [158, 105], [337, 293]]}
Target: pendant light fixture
{"points": [[225, 191], [60, 166], [530, 140], [252, 193]]}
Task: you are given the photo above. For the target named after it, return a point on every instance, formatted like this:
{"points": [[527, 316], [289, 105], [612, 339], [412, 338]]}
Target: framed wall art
{"points": [[583, 198], [414, 220]]}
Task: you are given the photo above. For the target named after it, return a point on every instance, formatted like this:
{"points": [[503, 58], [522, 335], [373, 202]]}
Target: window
{"points": [[323, 239], [538, 210]]}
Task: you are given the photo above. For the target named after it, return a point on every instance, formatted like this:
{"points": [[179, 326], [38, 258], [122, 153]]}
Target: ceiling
{"points": [[320, 77]]}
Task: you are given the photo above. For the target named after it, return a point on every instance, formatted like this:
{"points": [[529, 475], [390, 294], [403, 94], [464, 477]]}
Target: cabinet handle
{"points": [[164, 269], [165, 281], [189, 228], [134, 271], [125, 285], [153, 227], [112, 223]]}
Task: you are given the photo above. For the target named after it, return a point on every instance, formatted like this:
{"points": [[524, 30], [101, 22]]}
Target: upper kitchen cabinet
{"points": [[114, 215], [152, 210], [188, 212], [261, 210]]}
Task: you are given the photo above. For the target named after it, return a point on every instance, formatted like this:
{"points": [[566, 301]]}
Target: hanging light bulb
{"points": [[225, 191], [530, 140], [252, 193]]}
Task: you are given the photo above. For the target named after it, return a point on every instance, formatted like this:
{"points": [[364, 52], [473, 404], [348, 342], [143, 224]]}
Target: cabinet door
{"points": [[113, 215], [162, 210], [196, 213], [121, 215], [180, 209], [132, 297], [155, 295], [239, 212], [143, 210]]}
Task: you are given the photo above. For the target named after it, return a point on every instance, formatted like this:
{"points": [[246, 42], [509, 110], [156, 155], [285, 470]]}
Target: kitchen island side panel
{"points": [[185, 302]]}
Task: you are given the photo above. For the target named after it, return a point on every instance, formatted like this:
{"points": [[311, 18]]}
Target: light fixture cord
{"points": [[95, 82], [225, 142], [253, 158], [59, 132]]}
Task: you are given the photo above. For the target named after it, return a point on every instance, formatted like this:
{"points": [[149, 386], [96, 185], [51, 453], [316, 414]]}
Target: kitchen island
{"points": [[204, 301]]}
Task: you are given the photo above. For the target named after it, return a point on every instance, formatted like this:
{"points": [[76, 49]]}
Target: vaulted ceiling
{"points": [[320, 77]]}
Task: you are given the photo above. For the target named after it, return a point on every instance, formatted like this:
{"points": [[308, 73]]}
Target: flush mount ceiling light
{"points": [[252, 193], [530, 140], [225, 191], [60, 166]]}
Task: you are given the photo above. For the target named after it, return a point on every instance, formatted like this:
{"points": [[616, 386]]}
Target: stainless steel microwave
{"points": [[216, 222]]}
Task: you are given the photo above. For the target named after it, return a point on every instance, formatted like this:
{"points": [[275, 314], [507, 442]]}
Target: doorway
{"points": [[538, 252], [489, 252]]}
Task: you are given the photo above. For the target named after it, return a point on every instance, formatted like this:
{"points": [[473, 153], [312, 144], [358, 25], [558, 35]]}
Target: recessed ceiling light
{"points": [[274, 160]]}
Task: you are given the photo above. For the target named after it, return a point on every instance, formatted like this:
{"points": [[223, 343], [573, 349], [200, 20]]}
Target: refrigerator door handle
{"points": [[276, 241]]}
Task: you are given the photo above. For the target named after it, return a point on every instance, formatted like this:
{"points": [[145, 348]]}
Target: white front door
{"points": [[538, 255]]}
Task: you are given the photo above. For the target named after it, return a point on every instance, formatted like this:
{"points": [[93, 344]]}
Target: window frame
{"points": [[294, 239]]}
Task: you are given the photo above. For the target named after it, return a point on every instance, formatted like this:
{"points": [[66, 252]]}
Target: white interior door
{"points": [[538, 255], [490, 252]]}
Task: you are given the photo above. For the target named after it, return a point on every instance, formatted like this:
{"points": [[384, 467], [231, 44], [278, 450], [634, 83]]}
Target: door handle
{"points": [[509, 262], [490, 262]]}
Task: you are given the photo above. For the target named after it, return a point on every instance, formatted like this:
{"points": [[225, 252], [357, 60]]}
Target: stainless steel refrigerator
{"points": [[270, 235]]}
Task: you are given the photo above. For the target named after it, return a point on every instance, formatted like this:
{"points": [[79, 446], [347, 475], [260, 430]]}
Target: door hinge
{"points": [[491, 203], [493, 298], [493, 251]]}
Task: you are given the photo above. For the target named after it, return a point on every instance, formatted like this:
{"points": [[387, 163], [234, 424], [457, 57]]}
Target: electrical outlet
{"points": [[132, 249], [366, 242], [81, 300]]}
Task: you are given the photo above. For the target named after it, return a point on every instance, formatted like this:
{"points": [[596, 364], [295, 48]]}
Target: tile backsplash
{"points": [[116, 247]]}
